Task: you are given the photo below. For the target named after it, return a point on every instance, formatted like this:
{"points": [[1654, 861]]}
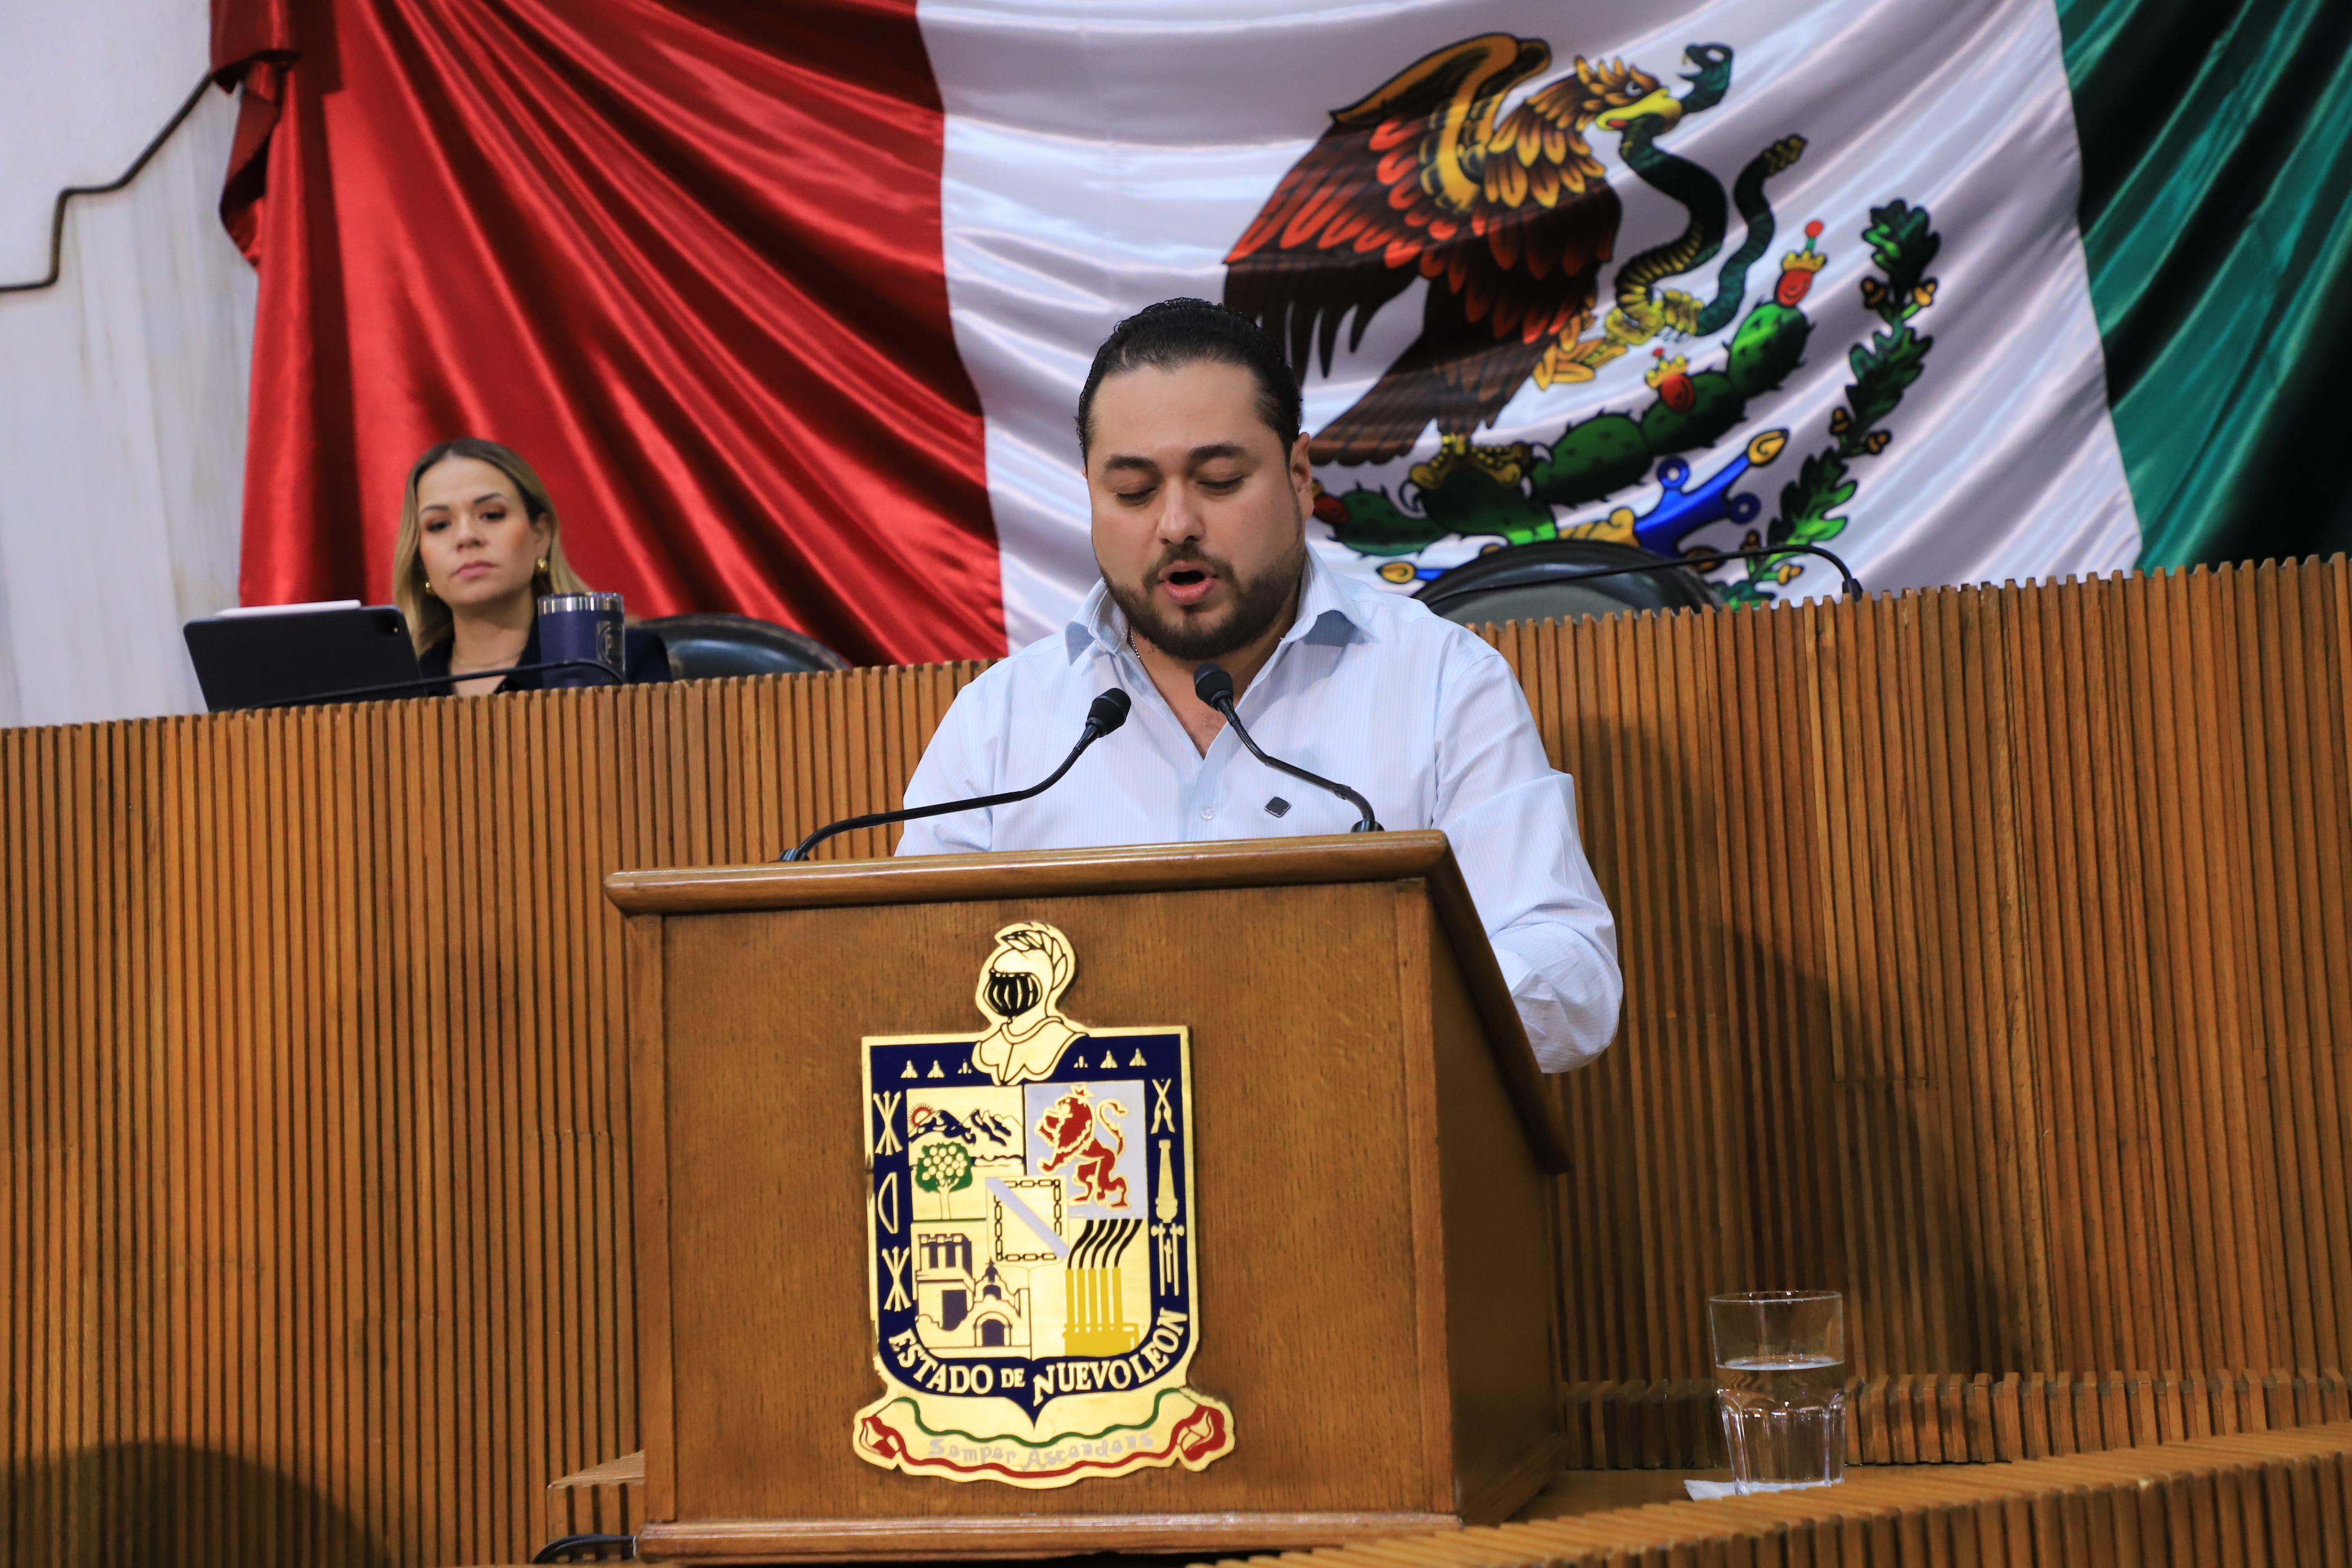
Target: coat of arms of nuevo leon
{"points": [[1030, 1253]]}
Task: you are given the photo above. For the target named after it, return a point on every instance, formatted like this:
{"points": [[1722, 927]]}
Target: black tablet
{"points": [[298, 653]]}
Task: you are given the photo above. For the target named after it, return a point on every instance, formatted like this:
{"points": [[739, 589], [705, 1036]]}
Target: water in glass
{"points": [[1779, 1376], [1783, 1419]]}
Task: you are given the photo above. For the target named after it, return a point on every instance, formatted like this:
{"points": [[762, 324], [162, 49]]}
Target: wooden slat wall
{"points": [[315, 1209], [1951, 1419], [1978, 948], [1985, 955], [2274, 1498]]}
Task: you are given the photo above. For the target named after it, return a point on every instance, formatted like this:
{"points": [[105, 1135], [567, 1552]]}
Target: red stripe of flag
{"points": [[686, 260]]}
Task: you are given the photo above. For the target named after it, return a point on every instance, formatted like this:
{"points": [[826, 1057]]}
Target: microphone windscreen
{"points": [[1211, 685], [1110, 711]]}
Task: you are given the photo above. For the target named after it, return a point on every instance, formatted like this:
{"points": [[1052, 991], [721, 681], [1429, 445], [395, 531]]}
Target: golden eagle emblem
{"points": [[1510, 217]]}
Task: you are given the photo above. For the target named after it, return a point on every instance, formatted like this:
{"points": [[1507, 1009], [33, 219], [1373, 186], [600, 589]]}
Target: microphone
{"points": [[1106, 714], [1213, 687], [1527, 574], [424, 683]]}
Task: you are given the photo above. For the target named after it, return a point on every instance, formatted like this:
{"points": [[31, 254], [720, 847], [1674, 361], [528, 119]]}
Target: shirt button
{"points": [[1208, 813]]}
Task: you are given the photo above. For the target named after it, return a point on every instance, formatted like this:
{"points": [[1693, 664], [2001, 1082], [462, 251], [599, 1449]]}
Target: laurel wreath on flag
{"points": [[1902, 247], [1515, 495]]}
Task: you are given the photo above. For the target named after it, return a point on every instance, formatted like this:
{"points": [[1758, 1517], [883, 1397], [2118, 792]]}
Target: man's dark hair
{"points": [[1179, 332]]}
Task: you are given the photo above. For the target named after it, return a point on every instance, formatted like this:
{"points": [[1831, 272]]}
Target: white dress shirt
{"points": [[1367, 688]]}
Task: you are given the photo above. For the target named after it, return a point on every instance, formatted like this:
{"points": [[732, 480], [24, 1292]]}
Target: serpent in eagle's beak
{"points": [[1660, 102]]}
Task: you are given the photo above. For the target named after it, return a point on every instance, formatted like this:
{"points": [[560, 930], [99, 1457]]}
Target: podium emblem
{"points": [[1030, 1229]]}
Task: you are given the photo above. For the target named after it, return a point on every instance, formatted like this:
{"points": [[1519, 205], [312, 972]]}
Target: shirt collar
{"points": [[1326, 613]]}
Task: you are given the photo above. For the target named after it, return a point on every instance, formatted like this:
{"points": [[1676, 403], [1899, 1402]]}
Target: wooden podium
{"points": [[1370, 1139]]}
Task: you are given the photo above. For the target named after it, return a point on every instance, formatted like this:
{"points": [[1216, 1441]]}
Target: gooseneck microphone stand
{"points": [[1214, 687], [1106, 714], [1543, 574], [1711, 560], [424, 683]]}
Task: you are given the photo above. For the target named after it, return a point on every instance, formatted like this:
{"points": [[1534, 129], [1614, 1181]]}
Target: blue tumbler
{"points": [[580, 626]]}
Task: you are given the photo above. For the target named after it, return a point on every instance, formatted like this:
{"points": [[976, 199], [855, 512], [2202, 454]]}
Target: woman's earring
{"points": [[428, 587], [543, 566]]}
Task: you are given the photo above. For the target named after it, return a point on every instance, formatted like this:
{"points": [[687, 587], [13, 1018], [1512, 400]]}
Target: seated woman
{"points": [[478, 547]]}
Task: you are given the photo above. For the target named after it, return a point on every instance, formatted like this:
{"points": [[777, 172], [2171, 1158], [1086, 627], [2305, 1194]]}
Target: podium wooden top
{"points": [[1034, 873], [1134, 869]]}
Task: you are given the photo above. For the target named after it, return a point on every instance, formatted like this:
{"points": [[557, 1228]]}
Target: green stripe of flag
{"points": [[2217, 217]]}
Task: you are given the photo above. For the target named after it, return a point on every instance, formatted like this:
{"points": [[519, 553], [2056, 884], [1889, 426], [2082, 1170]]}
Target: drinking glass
{"points": [[1779, 1376]]}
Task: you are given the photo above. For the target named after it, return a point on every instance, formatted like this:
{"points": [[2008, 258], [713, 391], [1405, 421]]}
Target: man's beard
{"points": [[1257, 605]]}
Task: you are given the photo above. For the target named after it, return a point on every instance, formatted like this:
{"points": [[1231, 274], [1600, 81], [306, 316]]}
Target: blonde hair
{"points": [[429, 624]]}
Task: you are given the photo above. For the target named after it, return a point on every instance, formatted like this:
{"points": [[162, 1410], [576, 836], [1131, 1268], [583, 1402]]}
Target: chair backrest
{"points": [[1548, 582], [708, 644]]}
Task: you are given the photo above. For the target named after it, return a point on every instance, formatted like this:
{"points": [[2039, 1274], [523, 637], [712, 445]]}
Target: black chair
{"points": [[709, 644], [1540, 581]]}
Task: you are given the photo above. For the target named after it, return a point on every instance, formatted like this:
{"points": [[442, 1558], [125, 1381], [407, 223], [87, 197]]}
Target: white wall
{"points": [[122, 387]]}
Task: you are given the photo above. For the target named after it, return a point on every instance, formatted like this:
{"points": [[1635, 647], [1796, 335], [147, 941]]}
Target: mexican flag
{"points": [[791, 305], [1731, 273]]}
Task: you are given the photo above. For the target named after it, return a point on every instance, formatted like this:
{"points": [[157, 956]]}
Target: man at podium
{"points": [[1198, 473]]}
